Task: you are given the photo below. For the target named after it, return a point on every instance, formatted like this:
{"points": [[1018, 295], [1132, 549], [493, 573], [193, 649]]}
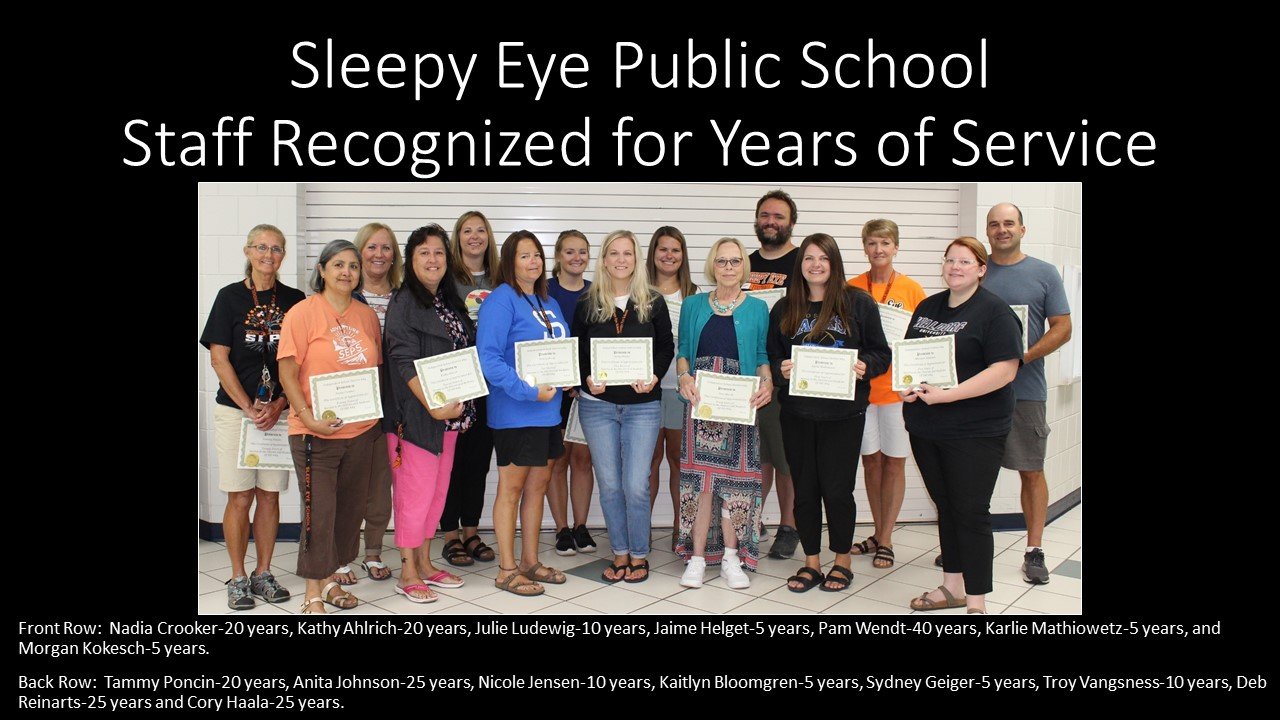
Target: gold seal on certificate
{"points": [[621, 361], [549, 362], [823, 372], [894, 321], [925, 360], [573, 428], [770, 297], [260, 450], [352, 395], [451, 377], [1024, 313], [726, 398]]}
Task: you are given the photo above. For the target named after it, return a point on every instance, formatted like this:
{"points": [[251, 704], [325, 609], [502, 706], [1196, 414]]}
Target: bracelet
{"points": [[680, 375]]}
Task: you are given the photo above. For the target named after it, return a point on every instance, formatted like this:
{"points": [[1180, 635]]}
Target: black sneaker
{"points": [[582, 539], [564, 542], [238, 594], [264, 587], [1033, 569], [784, 544]]}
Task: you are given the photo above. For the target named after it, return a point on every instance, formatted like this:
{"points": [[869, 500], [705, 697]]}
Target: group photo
{"points": [[639, 398]]}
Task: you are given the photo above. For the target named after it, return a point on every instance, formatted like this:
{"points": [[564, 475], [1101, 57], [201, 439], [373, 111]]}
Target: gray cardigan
{"points": [[412, 332]]}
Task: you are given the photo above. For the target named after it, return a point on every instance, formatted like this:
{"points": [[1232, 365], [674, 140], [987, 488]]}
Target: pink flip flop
{"points": [[418, 587], [440, 580]]}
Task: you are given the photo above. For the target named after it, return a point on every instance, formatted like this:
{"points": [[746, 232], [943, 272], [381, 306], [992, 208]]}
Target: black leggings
{"points": [[961, 475], [471, 459], [823, 456]]}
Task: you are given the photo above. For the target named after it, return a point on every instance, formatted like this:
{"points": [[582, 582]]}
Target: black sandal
{"points": [[480, 551], [643, 565], [620, 573], [808, 579], [884, 558], [843, 582], [866, 547], [455, 555]]}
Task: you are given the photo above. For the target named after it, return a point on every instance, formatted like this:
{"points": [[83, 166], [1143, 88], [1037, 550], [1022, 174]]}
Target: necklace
{"points": [[887, 288], [726, 309]]}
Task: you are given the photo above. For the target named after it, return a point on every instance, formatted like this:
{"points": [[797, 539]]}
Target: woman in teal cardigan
{"points": [[721, 331]]}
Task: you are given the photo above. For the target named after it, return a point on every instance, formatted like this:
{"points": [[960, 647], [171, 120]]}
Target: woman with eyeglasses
{"points": [[621, 422], [242, 334], [567, 285], [474, 263], [958, 434], [885, 445], [525, 418], [721, 331], [668, 268], [381, 267], [326, 333], [822, 436], [425, 318]]}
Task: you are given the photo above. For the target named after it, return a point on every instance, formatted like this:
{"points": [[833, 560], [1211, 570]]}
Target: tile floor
{"points": [[873, 592]]}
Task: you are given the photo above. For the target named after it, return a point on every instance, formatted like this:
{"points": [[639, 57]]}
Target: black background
{"points": [[103, 533]]}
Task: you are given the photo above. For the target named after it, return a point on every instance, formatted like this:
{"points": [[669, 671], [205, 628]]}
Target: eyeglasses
{"points": [[268, 248], [729, 262], [962, 262]]}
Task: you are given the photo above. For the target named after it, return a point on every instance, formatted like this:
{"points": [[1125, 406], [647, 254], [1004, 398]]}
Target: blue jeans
{"points": [[622, 438]]}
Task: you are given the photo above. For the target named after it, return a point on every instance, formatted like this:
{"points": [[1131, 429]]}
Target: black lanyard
{"points": [[541, 312]]}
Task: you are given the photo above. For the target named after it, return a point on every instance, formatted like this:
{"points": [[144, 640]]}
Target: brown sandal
{"points": [[948, 602], [552, 576], [480, 552], [528, 588], [456, 555]]}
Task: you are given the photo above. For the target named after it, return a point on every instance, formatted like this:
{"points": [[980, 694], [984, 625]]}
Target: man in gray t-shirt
{"points": [[1022, 280]]}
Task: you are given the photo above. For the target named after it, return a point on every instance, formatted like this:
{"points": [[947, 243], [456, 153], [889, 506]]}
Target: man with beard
{"points": [[1023, 280], [771, 267]]}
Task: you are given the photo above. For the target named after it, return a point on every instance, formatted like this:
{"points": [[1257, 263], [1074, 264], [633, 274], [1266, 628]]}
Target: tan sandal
{"points": [[341, 599], [553, 576], [948, 602], [306, 606], [528, 588]]}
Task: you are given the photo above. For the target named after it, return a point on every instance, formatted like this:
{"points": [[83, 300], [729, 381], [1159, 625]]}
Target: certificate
{"points": [[1023, 312], [549, 362], [925, 360], [770, 297], [726, 398], [573, 429], [352, 395], [823, 372], [264, 450], [621, 361], [451, 377], [894, 321]]}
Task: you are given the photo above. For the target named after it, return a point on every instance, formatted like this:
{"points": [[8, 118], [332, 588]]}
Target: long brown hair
{"points": [[683, 278], [834, 301], [460, 271]]}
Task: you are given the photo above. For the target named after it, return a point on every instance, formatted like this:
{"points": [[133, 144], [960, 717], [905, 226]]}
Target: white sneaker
{"points": [[694, 572], [731, 569]]}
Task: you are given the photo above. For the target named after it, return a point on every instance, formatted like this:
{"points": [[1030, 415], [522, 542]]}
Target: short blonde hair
{"points": [[710, 270], [363, 237]]}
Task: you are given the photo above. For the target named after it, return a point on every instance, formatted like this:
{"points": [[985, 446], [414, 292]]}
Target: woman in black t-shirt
{"points": [[958, 434], [242, 334]]}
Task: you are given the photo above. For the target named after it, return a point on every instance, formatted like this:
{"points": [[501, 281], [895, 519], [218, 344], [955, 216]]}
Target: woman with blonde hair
{"points": [[621, 421], [721, 331]]}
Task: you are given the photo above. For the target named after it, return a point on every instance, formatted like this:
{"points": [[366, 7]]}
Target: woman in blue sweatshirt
{"points": [[525, 418]]}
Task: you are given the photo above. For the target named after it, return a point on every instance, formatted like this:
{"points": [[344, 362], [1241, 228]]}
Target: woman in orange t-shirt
{"points": [[330, 332], [885, 444]]}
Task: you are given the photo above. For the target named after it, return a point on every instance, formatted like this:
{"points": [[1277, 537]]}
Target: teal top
{"points": [[750, 322]]}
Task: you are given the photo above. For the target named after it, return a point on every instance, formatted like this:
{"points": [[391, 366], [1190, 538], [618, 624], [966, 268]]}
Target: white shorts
{"points": [[885, 432], [226, 441]]}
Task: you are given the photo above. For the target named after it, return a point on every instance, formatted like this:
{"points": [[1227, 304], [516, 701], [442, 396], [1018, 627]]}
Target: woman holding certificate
{"points": [[826, 341], [958, 433], [668, 266], [380, 264], [624, 345], [241, 334], [885, 445], [567, 285], [426, 318], [331, 334], [722, 336], [474, 262], [525, 416]]}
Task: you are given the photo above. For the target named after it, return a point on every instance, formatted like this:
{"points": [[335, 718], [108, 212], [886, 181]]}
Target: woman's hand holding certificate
{"points": [[451, 377], [929, 360], [726, 398], [350, 395]]}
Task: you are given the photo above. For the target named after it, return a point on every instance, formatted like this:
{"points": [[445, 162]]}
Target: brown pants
{"points": [[339, 485]]}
